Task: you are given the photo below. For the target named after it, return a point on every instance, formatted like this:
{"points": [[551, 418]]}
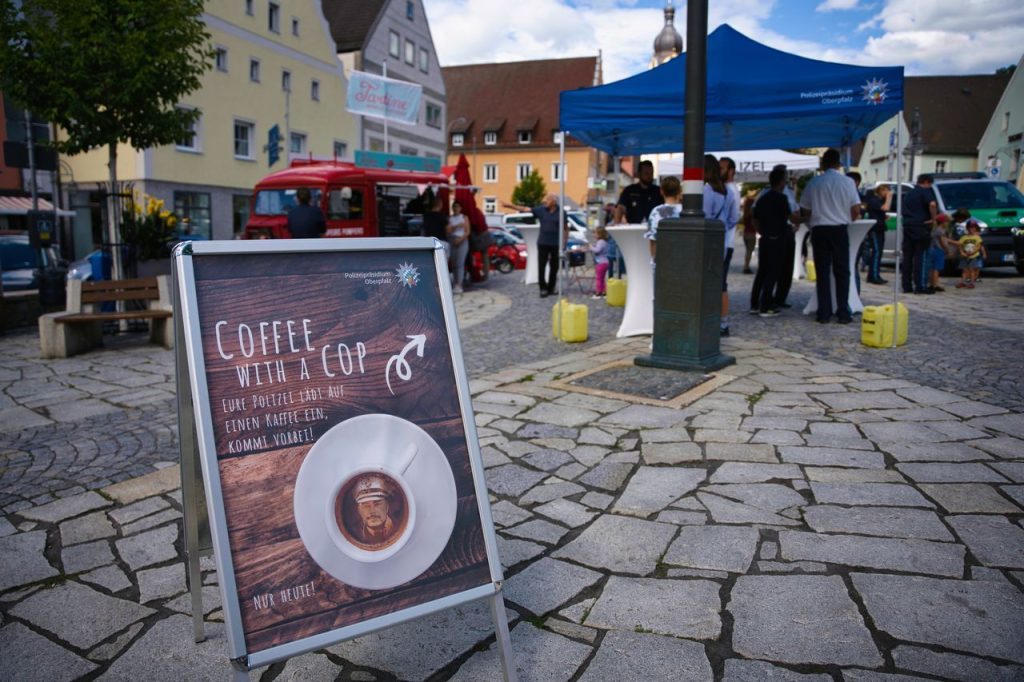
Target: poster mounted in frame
{"points": [[336, 438]]}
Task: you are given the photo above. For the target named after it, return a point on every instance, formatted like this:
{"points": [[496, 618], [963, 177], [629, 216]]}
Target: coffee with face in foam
{"points": [[371, 511]]}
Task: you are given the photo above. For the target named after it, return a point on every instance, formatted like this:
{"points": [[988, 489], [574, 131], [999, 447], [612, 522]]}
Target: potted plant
{"points": [[148, 231]]}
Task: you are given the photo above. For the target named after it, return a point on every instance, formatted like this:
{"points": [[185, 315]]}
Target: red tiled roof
{"points": [[955, 110], [512, 96]]}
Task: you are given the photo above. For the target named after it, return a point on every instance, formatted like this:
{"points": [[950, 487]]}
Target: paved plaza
{"points": [[820, 511]]}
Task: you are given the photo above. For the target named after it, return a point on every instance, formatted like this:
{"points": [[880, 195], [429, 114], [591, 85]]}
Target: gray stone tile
{"points": [[928, 396], [886, 522], [682, 518], [1011, 424], [652, 658], [953, 666], [727, 511], [950, 473], [22, 561], [595, 436], [588, 455], [6, 528], [571, 514], [512, 551], [799, 619], [571, 470], [157, 482], [776, 423], [151, 547], [571, 630], [547, 460], [651, 489], [551, 491], [860, 675], [85, 529], [681, 608], [504, 513], [560, 415], [832, 457], [153, 521], [645, 416], [183, 603], [777, 437], [721, 436], [989, 616], [738, 670], [894, 554], [309, 667], [167, 651], [715, 548], [538, 530], [597, 500], [539, 656], [864, 400], [512, 479], [767, 496], [547, 584], [840, 475], [111, 578], [1011, 470], [86, 557], [607, 476], [160, 583], [791, 567], [105, 652], [675, 435], [58, 510], [620, 544], [1014, 491], [744, 472], [1001, 446], [993, 540], [28, 656], [878, 494], [904, 432], [969, 498], [47, 609], [670, 453], [934, 452], [740, 452]]}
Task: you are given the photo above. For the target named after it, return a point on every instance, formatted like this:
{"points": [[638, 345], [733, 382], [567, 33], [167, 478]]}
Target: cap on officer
{"points": [[372, 487]]}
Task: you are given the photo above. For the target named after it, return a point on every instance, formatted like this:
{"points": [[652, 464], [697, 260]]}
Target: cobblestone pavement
{"points": [[816, 516]]}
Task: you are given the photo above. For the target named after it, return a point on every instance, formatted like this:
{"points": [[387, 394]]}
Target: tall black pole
{"points": [[691, 249]]}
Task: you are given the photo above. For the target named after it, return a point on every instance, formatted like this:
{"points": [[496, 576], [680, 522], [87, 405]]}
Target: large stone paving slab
{"points": [[979, 617], [547, 584], [512, 479], [950, 473], [714, 548], [651, 489], [799, 619], [954, 666], [651, 658], [167, 653], [935, 452], [738, 670], [151, 547], [969, 498], [876, 494], [28, 656], [895, 554], [728, 511], [832, 457], [539, 655], [681, 608], [747, 472], [22, 561], [645, 416], [620, 544], [886, 522], [58, 510], [993, 540], [768, 496], [48, 609]]}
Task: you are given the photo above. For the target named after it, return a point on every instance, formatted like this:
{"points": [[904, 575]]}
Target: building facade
{"points": [[275, 65], [373, 33], [504, 118], [947, 115], [1002, 143]]}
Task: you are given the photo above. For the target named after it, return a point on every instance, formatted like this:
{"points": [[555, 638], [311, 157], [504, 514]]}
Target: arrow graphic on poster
{"points": [[403, 370]]}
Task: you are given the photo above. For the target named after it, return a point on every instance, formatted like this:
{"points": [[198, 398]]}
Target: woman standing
{"points": [[458, 238], [720, 205]]}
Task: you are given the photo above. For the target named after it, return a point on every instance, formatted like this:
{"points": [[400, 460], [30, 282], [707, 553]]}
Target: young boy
{"points": [[972, 255], [937, 252]]}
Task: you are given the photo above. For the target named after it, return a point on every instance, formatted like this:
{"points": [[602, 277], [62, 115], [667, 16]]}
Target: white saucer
{"points": [[367, 441]]}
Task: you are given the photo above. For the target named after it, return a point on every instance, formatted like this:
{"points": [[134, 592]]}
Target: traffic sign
{"points": [[273, 146]]}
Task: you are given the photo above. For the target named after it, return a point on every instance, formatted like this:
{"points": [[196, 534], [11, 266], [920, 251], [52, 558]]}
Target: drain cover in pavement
{"points": [[649, 383]]}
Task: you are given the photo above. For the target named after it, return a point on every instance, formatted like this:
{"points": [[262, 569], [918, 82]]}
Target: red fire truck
{"points": [[357, 201]]}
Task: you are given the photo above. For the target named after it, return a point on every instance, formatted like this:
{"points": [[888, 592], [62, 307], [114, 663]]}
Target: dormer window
{"points": [[458, 139], [491, 138], [525, 137]]}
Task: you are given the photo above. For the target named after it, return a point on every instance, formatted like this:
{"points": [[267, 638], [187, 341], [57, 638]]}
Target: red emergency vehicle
{"points": [[357, 202]]}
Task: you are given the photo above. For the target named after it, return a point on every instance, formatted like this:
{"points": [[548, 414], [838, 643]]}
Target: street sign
{"points": [[273, 146], [385, 161], [41, 226]]}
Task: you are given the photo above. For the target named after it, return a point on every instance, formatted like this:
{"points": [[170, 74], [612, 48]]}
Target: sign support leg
{"points": [[508, 664]]}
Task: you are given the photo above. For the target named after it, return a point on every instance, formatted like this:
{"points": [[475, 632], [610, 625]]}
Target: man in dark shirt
{"points": [[919, 211], [771, 220], [547, 215], [305, 221], [638, 200]]}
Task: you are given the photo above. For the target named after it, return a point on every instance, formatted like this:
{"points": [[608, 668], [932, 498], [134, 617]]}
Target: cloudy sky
{"points": [[928, 37]]}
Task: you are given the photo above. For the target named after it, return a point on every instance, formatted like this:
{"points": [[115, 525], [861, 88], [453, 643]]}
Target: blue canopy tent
{"points": [[757, 98]]}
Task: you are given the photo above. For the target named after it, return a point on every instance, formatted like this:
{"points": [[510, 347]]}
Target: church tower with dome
{"points": [[668, 44]]}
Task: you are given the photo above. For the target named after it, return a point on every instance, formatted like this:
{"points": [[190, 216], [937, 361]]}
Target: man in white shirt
{"points": [[830, 202]]}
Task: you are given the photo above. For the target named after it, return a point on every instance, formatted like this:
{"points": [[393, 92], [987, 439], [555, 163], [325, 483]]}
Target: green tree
{"points": [[529, 191], [106, 72]]}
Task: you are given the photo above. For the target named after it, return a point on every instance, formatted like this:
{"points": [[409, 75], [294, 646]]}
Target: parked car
{"points": [[493, 219], [577, 223], [23, 268]]}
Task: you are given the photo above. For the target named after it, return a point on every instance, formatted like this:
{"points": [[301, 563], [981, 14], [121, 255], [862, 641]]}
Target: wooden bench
{"points": [[80, 327]]}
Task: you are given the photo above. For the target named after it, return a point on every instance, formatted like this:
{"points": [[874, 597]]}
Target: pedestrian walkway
{"points": [[798, 518]]}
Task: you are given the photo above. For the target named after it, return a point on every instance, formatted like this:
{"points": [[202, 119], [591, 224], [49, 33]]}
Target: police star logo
{"points": [[875, 91], [408, 275]]}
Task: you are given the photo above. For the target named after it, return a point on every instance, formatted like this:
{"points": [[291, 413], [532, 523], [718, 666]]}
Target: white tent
{"points": [[751, 166]]}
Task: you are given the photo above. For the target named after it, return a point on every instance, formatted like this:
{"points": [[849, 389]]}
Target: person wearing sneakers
{"points": [[600, 252], [972, 255]]}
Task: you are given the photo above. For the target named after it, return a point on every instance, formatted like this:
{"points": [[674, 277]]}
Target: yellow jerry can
{"points": [[812, 273], [877, 324], [572, 318], [616, 295]]}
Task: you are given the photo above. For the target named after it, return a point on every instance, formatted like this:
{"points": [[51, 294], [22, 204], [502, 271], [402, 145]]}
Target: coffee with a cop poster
{"points": [[340, 441]]}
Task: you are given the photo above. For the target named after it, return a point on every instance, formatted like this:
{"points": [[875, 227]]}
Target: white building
{"points": [[1001, 145]]}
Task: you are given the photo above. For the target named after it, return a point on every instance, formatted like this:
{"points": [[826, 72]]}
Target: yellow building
{"points": [[504, 118], [275, 64]]}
